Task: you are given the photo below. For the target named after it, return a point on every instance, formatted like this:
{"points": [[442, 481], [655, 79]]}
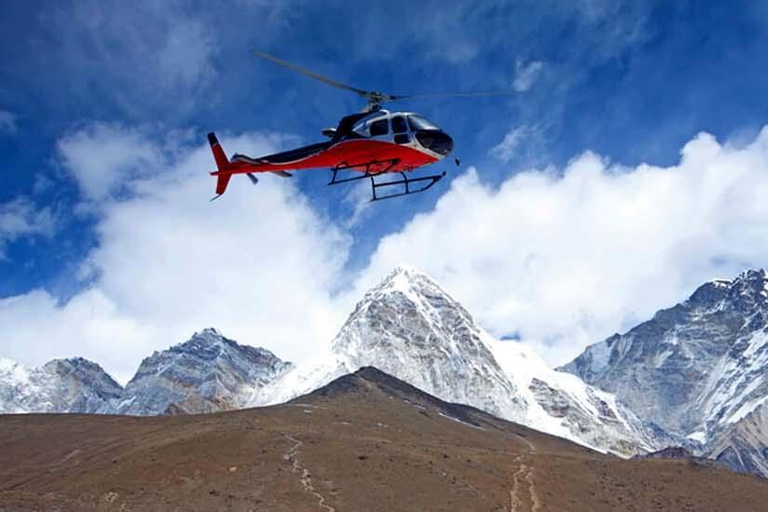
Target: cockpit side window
{"points": [[420, 123], [380, 127], [398, 125]]}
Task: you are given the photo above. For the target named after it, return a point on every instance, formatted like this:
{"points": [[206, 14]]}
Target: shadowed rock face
{"points": [[366, 441], [697, 369], [208, 373]]}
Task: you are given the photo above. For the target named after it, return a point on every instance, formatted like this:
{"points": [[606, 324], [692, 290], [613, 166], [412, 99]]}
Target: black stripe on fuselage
{"points": [[287, 156]]}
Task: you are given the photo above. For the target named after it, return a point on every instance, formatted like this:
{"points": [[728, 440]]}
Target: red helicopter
{"points": [[374, 142]]}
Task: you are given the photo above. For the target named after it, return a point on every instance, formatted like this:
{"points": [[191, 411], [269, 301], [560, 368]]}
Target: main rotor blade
{"points": [[311, 74], [450, 95]]}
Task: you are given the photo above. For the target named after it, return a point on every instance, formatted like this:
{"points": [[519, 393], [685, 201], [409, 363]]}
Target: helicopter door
{"points": [[379, 127], [400, 129]]}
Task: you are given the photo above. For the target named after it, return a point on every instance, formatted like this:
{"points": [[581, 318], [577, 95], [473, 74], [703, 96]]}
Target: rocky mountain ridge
{"points": [[61, 385], [207, 373], [698, 370]]}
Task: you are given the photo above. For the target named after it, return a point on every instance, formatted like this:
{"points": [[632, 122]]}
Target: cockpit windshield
{"points": [[420, 123]]}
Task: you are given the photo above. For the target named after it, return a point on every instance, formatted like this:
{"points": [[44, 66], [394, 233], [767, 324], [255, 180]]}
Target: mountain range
{"points": [[691, 376]]}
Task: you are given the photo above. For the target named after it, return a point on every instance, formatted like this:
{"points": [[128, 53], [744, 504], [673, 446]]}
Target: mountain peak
{"points": [[405, 275], [208, 331], [752, 282], [693, 369], [752, 275], [409, 327], [751, 278], [61, 385], [408, 281], [206, 373], [404, 268], [747, 276], [208, 343], [747, 291], [84, 370], [207, 335]]}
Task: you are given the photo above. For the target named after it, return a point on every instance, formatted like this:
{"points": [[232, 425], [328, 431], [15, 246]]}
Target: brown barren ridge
{"points": [[367, 441]]}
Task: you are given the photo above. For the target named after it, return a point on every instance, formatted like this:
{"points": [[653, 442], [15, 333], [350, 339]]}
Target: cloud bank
{"points": [[257, 264], [564, 259]]}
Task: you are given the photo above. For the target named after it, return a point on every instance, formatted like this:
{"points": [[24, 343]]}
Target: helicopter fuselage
{"points": [[376, 142], [371, 141]]}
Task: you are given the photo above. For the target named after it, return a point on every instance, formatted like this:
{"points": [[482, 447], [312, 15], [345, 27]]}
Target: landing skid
{"points": [[405, 182]]}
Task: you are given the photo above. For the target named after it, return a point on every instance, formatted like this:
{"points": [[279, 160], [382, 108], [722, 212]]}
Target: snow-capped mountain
{"points": [[73, 385], [410, 328], [207, 373], [698, 369]]}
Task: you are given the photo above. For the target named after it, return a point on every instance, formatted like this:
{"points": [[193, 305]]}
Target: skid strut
{"points": [[405, 182]]}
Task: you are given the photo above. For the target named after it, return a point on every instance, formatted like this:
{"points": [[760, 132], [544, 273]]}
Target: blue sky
{"points": [[98, 99]]}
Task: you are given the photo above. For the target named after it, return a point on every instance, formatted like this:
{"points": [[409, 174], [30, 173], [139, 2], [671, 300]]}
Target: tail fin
{"points": [[223, 173]]}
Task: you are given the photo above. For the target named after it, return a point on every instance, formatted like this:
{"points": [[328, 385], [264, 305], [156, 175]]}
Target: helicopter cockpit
{"points": [[398, 127], [383, 122]]}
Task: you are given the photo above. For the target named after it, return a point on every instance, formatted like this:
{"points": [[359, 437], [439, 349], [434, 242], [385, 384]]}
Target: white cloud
{"points": [[567, 259], [258, 264], [507, 148], [35, 328], [185, 57], [103, 157], [526, 74], [358, 198], [23, 218], [145, 54], [8, 122]]}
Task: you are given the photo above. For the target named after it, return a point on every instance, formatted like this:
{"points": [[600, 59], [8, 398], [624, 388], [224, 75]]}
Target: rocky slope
{"points": [[697, 370], [63, 385], [365, 442], [743, 445], [410, 328], [207, 373]]}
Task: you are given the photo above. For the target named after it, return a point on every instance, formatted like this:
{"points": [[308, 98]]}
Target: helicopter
{"points": [[373, 144]]}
